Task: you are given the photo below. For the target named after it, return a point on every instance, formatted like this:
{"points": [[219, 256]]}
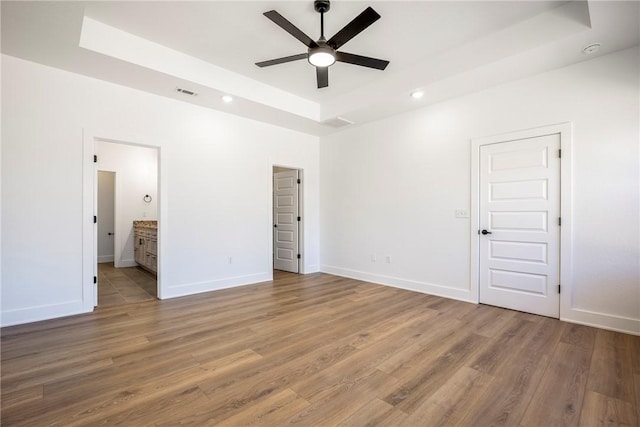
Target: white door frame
{"points": [[301, 248], [89, 203], [565, 130]]}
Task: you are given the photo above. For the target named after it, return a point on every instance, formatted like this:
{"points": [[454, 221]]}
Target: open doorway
{"points": [[287, 219], [126, 206]]}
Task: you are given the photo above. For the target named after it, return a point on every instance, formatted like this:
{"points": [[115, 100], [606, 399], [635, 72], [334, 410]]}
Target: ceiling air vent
{"points": [[338, 122], [186, 92]]}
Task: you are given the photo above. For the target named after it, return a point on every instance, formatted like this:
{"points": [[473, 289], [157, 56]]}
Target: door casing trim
{"points": [[89, 190]]}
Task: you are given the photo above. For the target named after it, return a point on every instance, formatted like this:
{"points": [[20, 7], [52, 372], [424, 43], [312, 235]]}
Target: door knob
{"points": [[486, 232], [275, 225], [109, 234]]}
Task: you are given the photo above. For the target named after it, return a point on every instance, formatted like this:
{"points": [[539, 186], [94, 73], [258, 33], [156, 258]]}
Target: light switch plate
{"points": [[462, 213]]}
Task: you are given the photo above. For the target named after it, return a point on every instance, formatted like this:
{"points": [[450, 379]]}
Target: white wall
{"points": [[215, 188], [136, 175], [391, 187]]}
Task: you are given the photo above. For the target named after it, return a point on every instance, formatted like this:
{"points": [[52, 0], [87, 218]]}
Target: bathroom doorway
{"points": [[126, 204]]}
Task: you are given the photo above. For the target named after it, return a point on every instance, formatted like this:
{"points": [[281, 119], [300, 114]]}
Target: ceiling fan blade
{"points": [[282, 22], [323, 76], [282, 60], [364, 61], [353, 28]]}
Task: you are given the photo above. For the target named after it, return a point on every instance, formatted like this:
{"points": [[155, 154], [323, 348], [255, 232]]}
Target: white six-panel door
{"points": [[285, 221], [519, 211]]}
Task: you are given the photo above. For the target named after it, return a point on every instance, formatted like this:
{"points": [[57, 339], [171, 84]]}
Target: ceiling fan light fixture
{"points": [[323, 53], [322, 56]]}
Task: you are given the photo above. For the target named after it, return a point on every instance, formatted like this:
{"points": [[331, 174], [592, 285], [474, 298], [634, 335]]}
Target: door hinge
{"points": [[298, 256], [299, 181], [95, 219], [95, 159], [95, 279], [559, 153], [558, 288], [559, 221], [298, 218]]}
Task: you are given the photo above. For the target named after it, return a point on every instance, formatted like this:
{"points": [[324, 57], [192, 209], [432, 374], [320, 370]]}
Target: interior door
{"points": [[95, 230], [519, 225], [106, 216], [285, 219]]}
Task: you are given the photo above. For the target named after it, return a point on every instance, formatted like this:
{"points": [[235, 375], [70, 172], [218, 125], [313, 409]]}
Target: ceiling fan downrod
{"points": [[322, 55], [322, 6]]}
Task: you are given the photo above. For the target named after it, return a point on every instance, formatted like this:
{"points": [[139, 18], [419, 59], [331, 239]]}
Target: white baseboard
{"points": [[42, 312], [603, 321], [214, 285], [105, 258], [396, 282], [583, 317], [314, 268]]}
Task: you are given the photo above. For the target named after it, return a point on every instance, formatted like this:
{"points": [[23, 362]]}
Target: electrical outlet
{"points": [[230, 260], [373, 257], [388, 259], [462, 213]]}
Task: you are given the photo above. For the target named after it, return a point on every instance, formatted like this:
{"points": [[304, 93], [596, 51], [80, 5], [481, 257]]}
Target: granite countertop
{"points": [[146, 224]]}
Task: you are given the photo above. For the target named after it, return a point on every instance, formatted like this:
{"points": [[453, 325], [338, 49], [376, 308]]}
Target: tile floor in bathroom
{"points": [[124, 285]]}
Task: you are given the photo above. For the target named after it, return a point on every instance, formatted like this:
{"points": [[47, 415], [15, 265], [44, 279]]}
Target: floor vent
{"points": [[337, 122]]}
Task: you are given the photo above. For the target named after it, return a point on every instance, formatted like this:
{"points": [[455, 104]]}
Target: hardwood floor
{"points": [[317, 350]]}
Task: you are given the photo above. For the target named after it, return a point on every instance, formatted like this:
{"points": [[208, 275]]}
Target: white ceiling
{"points": [[445, 48]]}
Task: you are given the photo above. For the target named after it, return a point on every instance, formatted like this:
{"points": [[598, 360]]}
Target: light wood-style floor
{"points": [[317, 350]]}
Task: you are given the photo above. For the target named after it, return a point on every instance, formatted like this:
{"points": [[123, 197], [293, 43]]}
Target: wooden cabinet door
{"points": [[139, 249]]}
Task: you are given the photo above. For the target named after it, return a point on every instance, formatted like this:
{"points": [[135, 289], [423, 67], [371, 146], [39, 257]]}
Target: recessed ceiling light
{"points": [[227, 98], [592, 48], [417, 94]]}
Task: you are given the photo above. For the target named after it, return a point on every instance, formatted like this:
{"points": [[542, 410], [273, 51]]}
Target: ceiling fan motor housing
{"points": [[321, 6]]}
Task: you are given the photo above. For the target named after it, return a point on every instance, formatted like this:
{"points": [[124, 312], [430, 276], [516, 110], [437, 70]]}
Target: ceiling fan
{"points": [[324, 53]]}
